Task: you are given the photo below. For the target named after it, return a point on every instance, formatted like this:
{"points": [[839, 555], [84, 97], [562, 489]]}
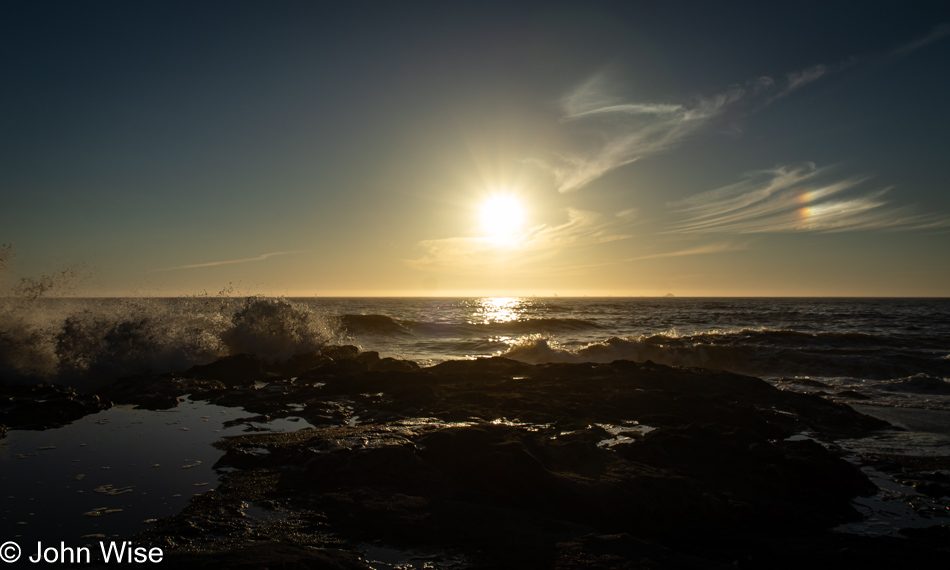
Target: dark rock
{"points": [[159, 392], [298, 364], [394, 365], [157, 401], [902, 463], [496, 365], [931, 489], [531, 496], [937, 533], [341, 367], [548, 466], [620, 552], [42, 406], [369, 358], [237, 370], [340, 352], [239, 421], [276, 555]]}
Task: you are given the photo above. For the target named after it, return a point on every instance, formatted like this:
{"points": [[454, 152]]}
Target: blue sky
{"points": [[296, 148]]}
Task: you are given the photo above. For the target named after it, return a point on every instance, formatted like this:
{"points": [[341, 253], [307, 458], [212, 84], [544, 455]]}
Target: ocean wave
{"points": [[25, 350], [509, 328], [276, 329], [374, 324], [490, 346], [919, 384], [784, 337], [530, 326], [90, 345], [538, 349], [95, 341], [756, 359]]}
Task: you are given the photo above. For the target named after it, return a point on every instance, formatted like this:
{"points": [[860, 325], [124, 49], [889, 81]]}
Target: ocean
{"points": [[886, 357], [887, 352]]}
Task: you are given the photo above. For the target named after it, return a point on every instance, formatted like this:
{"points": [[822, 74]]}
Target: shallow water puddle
{"points": [[623, 433], [114, 472], [921, 432], [382, 558], [895, 506]]}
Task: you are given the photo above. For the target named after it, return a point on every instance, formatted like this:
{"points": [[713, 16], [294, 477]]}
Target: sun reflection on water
{"points": [[498, 310]]}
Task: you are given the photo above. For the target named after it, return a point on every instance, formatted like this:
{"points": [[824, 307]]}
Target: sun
{"points": [[501, 217]]}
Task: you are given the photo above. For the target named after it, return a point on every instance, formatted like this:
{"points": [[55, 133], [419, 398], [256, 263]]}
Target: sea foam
{"points": [[88, 343]]}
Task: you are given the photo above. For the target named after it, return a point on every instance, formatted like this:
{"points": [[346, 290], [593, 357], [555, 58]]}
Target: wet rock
{"points": [[932, 489], [159, 392], [937, 533], [533, 496], [512, 465], [494, 366], [239, 421], [620, 552], [43, 406], [335, 368], [232, 371], [789, 483], [903, 463], [298, 364], [393, 365], [157, 401], [340, 352], [370, 358]]}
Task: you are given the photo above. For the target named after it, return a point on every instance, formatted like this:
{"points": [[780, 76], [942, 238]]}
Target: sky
{"points": [[474, 148]]}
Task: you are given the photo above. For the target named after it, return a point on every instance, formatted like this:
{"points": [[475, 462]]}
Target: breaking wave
{"points": [[88, 343], [919, 384], [764, 353]]}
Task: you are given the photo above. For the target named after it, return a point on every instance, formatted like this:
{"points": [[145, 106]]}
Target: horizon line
{"points": [[453, 296]]}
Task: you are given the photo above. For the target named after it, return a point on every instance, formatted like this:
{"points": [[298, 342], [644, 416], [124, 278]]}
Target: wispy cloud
{"points": [[794, 199], [229, 261], [701, 250], [797, 79], [607, 132], [938, 33], [470, 255]]}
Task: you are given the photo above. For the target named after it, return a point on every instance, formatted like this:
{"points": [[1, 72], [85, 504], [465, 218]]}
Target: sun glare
{"points": [[501, 217]]}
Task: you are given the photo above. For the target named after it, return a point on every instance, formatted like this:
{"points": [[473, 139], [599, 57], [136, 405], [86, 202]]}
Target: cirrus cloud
{"points": [[607, 133], [228, 261], [793, 199]]}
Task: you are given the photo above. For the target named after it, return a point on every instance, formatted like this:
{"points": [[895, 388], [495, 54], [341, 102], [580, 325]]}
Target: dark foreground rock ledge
{"points": [[45, 406], [499, 464]]}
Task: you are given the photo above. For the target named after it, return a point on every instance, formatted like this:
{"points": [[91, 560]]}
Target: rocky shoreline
{"points": [[498, 464]]}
